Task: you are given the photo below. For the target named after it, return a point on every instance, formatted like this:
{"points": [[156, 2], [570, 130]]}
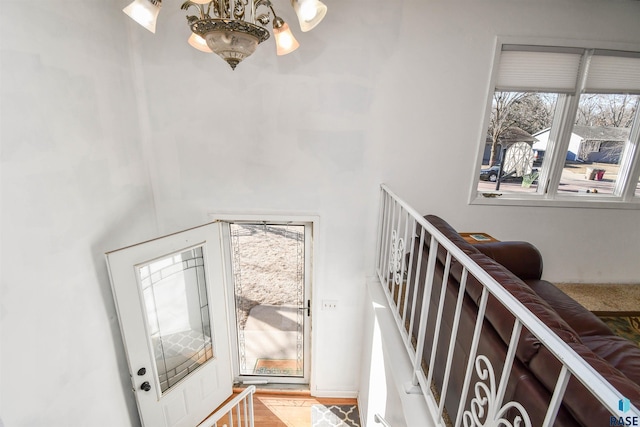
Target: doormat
{"points": [[335, 416], [276, 367], [626, 325]]}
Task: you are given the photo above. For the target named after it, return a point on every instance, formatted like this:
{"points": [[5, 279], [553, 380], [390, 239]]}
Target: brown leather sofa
{"points": [[517, 266]]}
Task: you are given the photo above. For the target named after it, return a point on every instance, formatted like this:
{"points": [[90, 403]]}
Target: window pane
{"points": [[268, 266], [174, 290], [602, 128], [513, 157]]}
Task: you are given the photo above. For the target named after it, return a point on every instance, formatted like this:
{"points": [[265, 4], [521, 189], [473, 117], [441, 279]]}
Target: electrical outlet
{"points": [[329, 304]]}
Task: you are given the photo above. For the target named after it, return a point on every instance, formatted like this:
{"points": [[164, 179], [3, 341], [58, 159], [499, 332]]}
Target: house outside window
{"points": [[563, 128]]}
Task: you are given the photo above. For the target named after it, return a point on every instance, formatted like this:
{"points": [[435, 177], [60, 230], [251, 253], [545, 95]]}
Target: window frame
{"points": [[624, 195]]}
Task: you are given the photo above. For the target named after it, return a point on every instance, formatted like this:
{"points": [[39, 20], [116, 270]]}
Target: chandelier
{"points": [[233, 29]]}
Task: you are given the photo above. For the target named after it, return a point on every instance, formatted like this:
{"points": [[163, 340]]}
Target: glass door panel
{"points": [[268, 264], [175, 298]]}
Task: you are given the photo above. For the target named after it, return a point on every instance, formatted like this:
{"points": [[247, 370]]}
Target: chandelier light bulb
{"points": [[310, 13], [199, 43], [144, 12], [142, 16], [285, 41]]}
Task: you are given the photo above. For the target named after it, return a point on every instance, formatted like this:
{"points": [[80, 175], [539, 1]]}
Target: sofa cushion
{"points": [[498, 315], [577, 316], [502, 320], [582, 404], [621, 353]]}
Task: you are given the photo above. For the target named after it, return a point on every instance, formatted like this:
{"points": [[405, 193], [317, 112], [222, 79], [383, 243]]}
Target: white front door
{"points": [[170, 297]]}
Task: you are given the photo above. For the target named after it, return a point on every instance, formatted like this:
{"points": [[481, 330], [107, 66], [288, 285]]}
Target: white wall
{"points": [[74, 184], [387, 371], [379, 92], [434, 151]]}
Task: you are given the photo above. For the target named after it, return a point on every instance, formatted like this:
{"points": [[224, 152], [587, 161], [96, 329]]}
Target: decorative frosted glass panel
{"points": [[268, 271], [175, 297]]}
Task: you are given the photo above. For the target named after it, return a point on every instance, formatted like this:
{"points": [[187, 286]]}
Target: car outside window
{"points": [[562, 127]]}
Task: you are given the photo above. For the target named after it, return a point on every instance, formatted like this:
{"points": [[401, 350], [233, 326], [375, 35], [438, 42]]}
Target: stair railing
{"points": [[238, 412], [401, 231]]}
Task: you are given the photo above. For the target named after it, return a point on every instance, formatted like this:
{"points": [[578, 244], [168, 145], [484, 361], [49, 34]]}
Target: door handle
{"points": [[308, 308], [145, 386]]}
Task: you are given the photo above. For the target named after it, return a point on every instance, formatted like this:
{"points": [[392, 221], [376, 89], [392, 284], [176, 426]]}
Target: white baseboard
{"points": [[339, 394]]}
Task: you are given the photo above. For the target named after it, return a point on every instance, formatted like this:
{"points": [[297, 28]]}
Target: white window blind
{"points": [[608, 73], [538, 71]]}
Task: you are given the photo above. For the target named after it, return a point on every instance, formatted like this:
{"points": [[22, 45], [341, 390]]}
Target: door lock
{"points": [[142, 371]]}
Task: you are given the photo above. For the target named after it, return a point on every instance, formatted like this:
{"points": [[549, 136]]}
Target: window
{"points": [[563, 129]]}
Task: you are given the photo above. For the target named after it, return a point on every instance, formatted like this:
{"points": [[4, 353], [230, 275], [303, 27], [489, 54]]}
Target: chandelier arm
{"points": [[186, 5], [275, 15], [220, 8], [268, 4]]}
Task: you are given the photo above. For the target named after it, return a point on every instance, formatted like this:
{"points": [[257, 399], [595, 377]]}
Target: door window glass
{"points": [[268, 275], [177, 310]]}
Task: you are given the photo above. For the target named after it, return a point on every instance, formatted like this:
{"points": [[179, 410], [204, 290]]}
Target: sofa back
{"points": [[535, 369]]}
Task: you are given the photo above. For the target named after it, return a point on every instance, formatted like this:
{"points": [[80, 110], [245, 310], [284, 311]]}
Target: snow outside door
{"points": [[170, 297]]}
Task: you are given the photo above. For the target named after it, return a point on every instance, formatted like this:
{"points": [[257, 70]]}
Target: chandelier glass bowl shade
{"points": [[231, 40], [233, 29]]}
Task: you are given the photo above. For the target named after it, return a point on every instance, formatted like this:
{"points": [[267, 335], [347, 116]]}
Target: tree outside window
{"points": [[563, 123]]}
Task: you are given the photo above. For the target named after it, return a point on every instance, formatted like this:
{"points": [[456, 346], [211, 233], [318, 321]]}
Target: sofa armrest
{"points": [[521, 258]]}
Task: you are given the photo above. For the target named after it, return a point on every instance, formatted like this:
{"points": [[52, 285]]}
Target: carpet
{"points": [[276, 367], [604, 297], [335, 416], [626, 325]]}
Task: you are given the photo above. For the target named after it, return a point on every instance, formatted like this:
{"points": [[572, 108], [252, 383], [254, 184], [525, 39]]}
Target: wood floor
{"points": [[288, 409]]}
